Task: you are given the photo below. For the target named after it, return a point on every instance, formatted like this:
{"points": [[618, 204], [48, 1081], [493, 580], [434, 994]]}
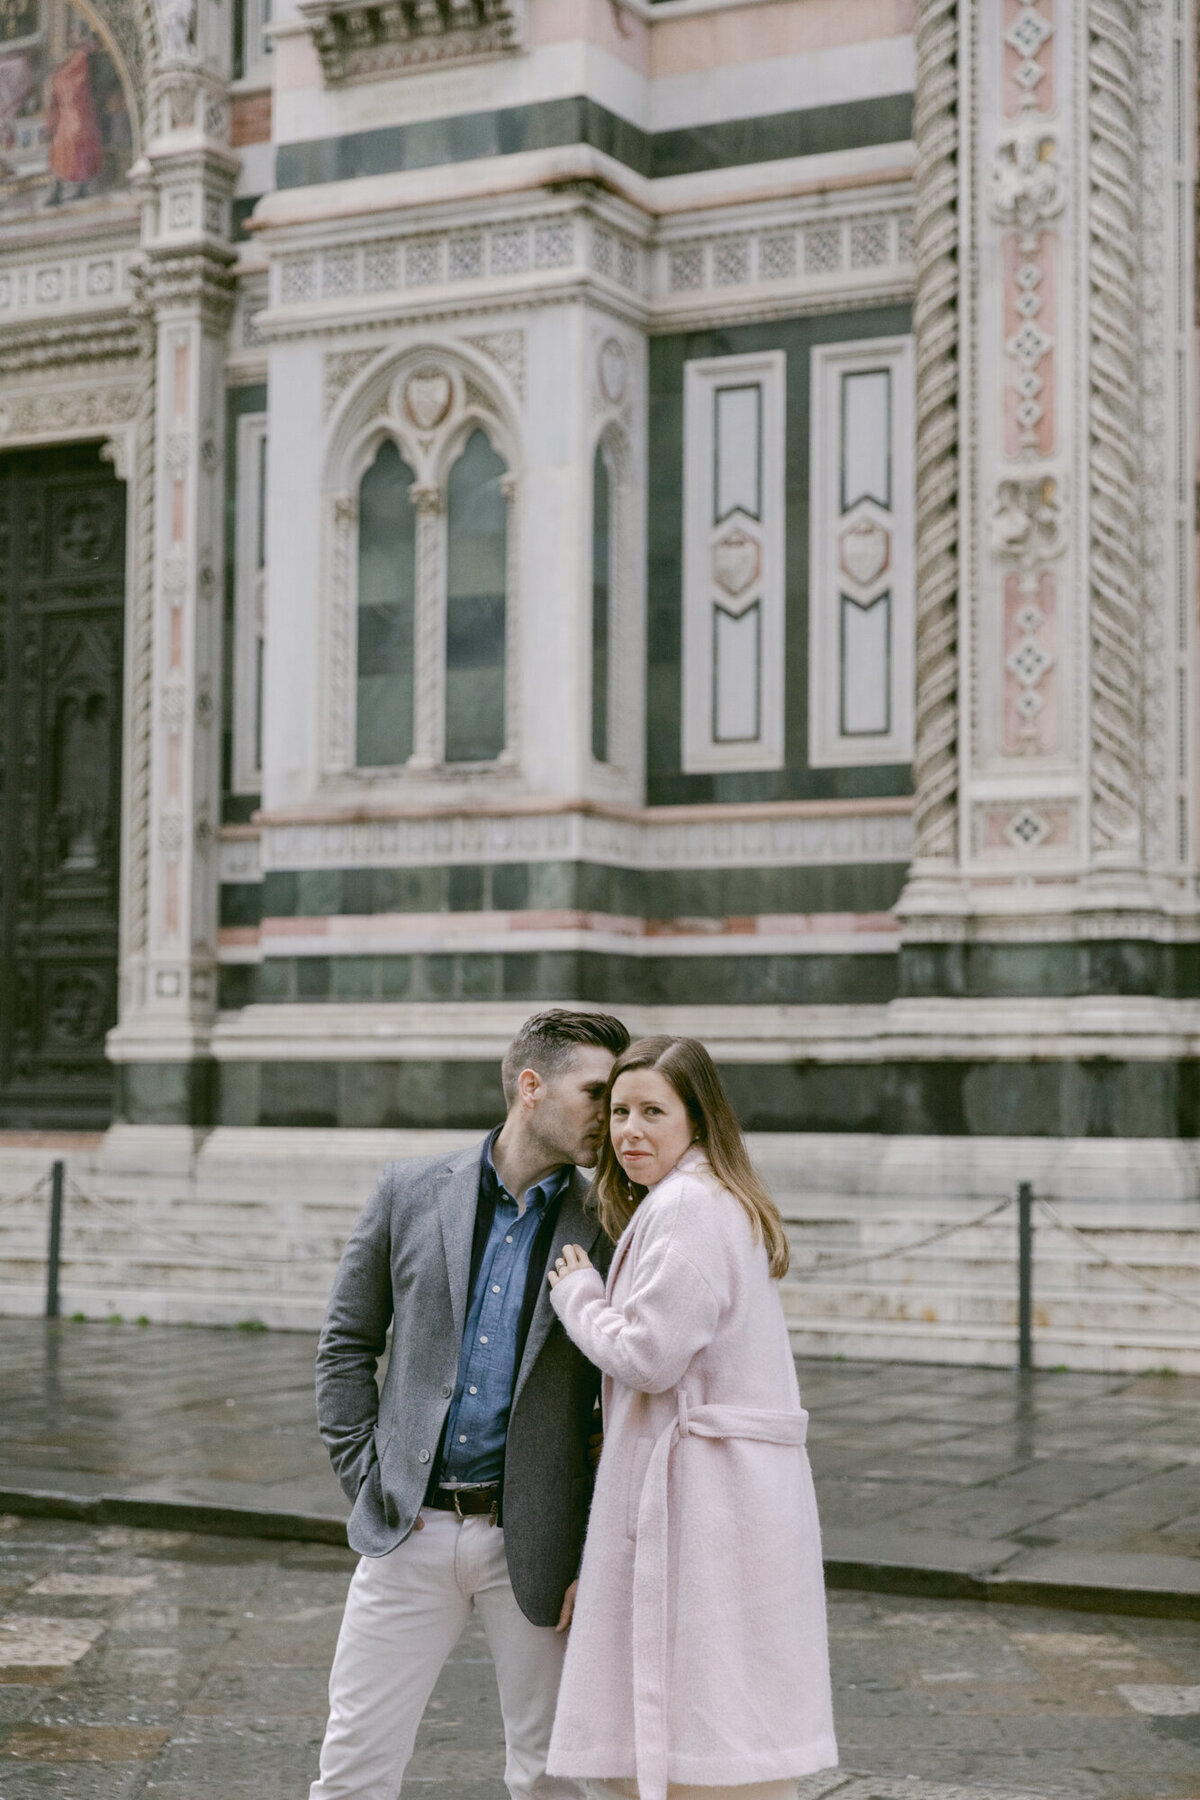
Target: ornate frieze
{"points": [[838, 834], [59, 412], [776, 267]]}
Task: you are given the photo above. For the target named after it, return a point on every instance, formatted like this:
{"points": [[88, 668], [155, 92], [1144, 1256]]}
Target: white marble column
{"points": [[185, 289]]}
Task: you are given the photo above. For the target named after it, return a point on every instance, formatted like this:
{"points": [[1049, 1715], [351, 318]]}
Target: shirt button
{"points": [[422, 1456], [495, 1290], [462, 1440], [508, 1240], [483, 1340], [447, 1390], [473, 1390]]}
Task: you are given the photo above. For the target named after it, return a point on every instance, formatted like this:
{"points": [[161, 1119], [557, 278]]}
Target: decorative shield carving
{"points": [[735, 561], [613, 371], [864, 551], [427, 396]]}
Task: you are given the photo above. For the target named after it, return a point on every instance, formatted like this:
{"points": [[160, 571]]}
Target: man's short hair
{"points": [[548, 1040]]}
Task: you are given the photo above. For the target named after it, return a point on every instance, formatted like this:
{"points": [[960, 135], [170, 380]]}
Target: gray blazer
{"points": [[407, 1263]]}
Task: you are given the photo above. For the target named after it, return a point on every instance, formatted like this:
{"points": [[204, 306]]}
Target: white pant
{"points": [[404, 1614]]}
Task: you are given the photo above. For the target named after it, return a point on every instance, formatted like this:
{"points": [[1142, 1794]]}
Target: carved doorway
{"points": [[62, 596]]}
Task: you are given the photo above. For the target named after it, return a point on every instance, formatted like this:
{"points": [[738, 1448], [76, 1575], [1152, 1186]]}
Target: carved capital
{"points": [[428, 498], [198, 278], [344, 508]]}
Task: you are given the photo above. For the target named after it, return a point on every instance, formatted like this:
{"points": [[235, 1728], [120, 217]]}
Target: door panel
{"points": [[62, 578]]}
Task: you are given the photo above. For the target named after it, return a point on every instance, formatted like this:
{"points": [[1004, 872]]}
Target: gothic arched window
{"points": [[386, 611], [476, 583]]}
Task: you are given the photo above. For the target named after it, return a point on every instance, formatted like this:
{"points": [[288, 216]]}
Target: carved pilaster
{"points": [[936, 326], [184, 294], [1114, 585]]}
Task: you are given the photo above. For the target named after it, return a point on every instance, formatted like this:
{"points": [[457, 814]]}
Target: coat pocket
{"points": [[643, 1449]]}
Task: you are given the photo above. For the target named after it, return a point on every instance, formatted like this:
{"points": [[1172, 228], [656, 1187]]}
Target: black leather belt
{"points": [[469, 1502]]}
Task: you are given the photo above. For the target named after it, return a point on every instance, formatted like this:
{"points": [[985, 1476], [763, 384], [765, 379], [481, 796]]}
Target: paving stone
{"points": [[1163, 1702], [34, 1642], [84, 1743]]}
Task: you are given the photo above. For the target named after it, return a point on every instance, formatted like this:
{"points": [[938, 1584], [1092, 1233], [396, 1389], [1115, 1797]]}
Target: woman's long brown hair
{"points": [[686, 1064]]}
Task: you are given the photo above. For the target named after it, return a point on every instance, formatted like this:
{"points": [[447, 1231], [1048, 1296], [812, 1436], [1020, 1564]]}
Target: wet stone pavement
{"points": [[178, 1666], [1047, 1486]]}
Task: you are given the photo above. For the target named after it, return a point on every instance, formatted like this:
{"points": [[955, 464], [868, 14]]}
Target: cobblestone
{"points": [[948, 1481], [194, 1668]]}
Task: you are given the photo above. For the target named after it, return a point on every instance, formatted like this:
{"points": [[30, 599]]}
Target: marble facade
{"points": [[882, 778]]}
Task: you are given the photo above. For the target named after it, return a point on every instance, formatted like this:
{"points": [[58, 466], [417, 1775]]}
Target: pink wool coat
{"points": [[698, 1651]]}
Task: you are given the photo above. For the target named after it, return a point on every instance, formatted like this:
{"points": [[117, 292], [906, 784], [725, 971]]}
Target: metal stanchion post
{"points": [[53, 1255], [1025, 1275]]}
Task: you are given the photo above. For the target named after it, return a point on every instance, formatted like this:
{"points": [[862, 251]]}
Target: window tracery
{"points": [[421, 621]]}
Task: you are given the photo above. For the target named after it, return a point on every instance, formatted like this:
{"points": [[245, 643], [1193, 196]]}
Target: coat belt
{"points": [[650, 1598]]}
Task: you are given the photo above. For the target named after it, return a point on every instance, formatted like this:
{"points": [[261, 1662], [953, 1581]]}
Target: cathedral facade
{"points": [[686, 507]]}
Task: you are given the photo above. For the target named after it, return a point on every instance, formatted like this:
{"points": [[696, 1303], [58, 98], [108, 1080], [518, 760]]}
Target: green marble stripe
{"points": [[576, 119], [1013, 971], [1050, 1098], [555, 886], [549, 975], [963, 972]]}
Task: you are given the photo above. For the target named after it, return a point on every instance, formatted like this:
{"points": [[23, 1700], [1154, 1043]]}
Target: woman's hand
{"points": [[568, 1608], [574, 1257]]}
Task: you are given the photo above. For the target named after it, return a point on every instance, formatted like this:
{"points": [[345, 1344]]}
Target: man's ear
{"points": [[530, 1087]]}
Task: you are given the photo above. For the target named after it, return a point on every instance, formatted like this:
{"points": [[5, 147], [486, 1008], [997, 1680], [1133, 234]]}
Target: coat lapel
{"points": [[577, 1224], [457, 1201]]}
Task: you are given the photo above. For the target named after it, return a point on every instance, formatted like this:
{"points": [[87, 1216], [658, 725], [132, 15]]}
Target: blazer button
{"points": [[422, 1456], [447, 1390]]}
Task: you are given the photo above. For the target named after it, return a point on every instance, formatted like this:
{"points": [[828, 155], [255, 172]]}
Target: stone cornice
{"points": [[82, 341], [358, 40]]}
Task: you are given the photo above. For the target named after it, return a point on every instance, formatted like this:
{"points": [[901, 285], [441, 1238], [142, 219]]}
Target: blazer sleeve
{"points": [[671, 1313], [353, 1339]]}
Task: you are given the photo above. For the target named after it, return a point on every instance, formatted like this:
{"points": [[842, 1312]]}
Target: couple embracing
{"points": [[679, 1653]]}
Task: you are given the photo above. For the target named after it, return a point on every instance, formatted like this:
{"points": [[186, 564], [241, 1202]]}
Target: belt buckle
{"points": [[457, 1508]]}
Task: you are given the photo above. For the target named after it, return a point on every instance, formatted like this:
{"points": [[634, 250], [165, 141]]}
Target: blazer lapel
{"points": [[457, 1200], [577, 1224]]}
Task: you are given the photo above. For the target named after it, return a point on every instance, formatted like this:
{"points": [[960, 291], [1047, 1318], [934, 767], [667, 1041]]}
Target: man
{"points": [[470, 1472]]}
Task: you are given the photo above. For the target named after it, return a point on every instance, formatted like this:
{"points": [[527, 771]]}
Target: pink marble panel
{"points": [[1049, 827], [1020, 93], [1031, 688], [697, 43], [1030, 321]]}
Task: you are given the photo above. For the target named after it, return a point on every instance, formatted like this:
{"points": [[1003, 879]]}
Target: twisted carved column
{"points": [[935, 323], [1116, 660]]}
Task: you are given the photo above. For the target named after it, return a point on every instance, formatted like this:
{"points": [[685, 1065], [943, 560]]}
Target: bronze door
{"points": [[62, 590]]}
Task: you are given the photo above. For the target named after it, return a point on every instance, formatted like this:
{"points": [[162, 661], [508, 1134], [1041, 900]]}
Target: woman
{"points": [[697, 1662]]}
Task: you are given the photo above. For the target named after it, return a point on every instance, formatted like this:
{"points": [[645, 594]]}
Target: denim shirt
{"points": [[477, 1425]]}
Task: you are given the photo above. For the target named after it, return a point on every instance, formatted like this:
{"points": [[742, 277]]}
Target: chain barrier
{"points": [[822, 1264], [1112, 1262], [182, 1242], [31, 1193], [176, 1241]]}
